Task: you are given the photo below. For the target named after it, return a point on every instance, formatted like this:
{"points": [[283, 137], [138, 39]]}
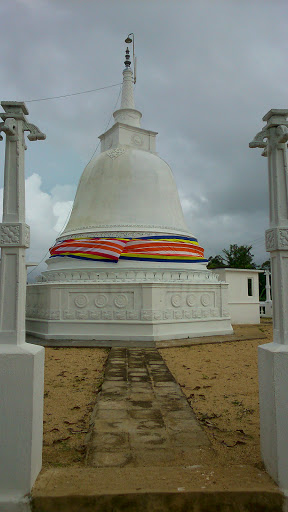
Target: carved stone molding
{"points": [[101, 300], [14, 234], [114, 153], [10, 234], [100, 315], [283, 238], [81, 315], [107, 315], [270, 240], [191, 299], [45, 314], [147, 315], [113, 234], [128, 276], [94, 315], [137, 140], [68, 315], [173, 229], [206, 299], [133, 315], [121, 301], [258, 141], [81, 300], [276, 239], [119, 315], [270, 138], [176, 300]]}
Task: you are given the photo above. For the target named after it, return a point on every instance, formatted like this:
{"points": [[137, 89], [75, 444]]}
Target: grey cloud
{"points": [[207, 73]]}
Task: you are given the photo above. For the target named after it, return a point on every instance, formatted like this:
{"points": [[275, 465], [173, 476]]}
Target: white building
{"points": [[243, 294], [126, 268]]}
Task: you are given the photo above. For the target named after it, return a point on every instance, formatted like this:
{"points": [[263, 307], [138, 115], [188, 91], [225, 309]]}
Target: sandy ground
{"points": [[73, 377], [219, 380]]}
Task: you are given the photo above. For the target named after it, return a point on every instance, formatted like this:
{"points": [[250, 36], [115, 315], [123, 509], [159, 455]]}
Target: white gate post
{"points": [[267, 286], [21, 364], [273, 357]]}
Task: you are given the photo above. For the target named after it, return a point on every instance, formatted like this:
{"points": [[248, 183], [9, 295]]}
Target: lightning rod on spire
{"points": [[128, 40]]}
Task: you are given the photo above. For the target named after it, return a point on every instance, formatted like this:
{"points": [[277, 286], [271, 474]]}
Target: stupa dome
{"points": [[126, 189]]}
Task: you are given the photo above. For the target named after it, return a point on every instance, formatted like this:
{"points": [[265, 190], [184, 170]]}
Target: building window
{"points": [[250, 287]]}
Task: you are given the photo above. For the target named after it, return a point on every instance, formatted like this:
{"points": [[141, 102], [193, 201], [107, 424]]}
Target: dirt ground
{"points": [[73, 377], [219, 380]]}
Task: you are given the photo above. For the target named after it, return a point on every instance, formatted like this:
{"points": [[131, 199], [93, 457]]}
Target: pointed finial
{"points": [[127, 57], [128, 40]]}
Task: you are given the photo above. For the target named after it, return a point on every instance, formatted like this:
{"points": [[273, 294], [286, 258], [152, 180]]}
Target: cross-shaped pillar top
{"points": [[14, 107], [276, 116]]}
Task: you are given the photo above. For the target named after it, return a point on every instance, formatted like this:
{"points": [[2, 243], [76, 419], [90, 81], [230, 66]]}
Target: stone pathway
{"points": [[147, 452], [141, 417]]}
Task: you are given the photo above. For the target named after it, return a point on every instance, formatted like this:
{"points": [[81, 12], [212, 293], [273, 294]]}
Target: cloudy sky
{"points": [[207, 73]]}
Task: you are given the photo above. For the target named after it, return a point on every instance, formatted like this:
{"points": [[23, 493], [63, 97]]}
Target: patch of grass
{"points": [[239, 403]]}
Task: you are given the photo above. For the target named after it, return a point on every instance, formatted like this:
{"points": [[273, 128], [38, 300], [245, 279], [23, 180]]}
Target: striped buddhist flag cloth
{"points": [[156, 248], [108, 249]]}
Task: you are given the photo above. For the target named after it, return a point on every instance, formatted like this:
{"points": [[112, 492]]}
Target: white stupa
{"points": [[157, 287]]}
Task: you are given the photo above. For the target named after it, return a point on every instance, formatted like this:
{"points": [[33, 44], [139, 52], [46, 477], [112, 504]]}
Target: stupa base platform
{"points": [[127, 308], [137, 335]]}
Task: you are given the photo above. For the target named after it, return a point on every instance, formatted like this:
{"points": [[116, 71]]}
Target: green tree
{"points": [[216, 262], [266, 265], [237, 256]]}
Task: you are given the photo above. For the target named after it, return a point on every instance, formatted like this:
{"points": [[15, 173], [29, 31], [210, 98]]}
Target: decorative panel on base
{"points": [[131, 311]]}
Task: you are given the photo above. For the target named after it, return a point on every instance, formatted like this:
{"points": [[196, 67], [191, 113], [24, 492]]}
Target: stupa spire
{"points": [[127, 114], [127, 99]]}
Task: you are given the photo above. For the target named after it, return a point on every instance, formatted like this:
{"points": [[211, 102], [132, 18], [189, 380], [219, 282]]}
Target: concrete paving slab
{"points": [[111, 441], [111, 404], [111, 414]]}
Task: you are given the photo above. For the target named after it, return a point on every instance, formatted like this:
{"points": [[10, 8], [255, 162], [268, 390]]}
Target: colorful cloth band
{"points": [[155, 248]]}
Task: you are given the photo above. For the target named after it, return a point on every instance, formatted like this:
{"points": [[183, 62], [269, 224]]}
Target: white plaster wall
{"points": [[244, 309], [244, 313]]}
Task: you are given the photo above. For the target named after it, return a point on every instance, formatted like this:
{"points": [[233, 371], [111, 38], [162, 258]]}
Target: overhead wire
{"points": [[105, 129], [72, 94]]}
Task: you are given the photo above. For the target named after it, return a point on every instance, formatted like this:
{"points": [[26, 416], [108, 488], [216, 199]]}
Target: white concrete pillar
{"points": [[273, 357], [21, 364], [267, 285]]}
